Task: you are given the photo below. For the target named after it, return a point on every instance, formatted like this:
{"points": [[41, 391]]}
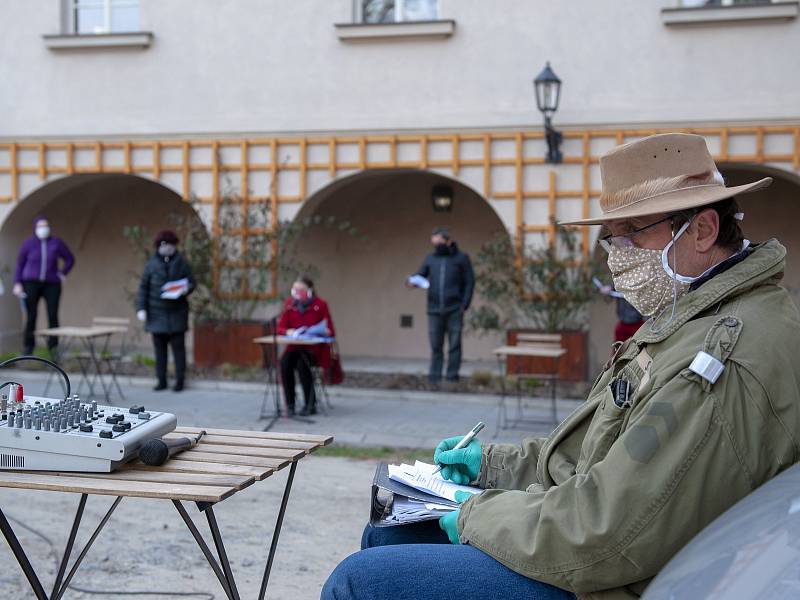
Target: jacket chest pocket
{"points": [[608, 421]]}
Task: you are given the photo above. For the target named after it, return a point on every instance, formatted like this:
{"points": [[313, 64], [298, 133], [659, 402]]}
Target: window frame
{"points": [[107, 5], [358, 13]]}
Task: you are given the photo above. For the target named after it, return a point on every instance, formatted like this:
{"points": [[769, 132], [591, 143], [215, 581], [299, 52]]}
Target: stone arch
{"points": [[771, 212], [88, 211], [363, 279]]}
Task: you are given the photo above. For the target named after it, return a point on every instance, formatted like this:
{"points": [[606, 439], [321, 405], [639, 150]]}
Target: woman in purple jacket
{"points": [[39, 275]]}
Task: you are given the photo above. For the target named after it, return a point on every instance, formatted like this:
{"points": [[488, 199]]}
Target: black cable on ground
{"points": [[57, 558]]}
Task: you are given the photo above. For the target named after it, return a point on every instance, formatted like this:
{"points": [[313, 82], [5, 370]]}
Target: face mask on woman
{"points": [[42, 232], [301, 295], [166, 249]]}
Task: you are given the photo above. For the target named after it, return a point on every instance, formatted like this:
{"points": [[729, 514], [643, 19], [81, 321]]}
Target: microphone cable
{"points": [[49, 363]]}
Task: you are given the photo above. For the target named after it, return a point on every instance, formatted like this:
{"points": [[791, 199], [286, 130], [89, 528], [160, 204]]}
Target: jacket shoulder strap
{"points": [[718, 345]]}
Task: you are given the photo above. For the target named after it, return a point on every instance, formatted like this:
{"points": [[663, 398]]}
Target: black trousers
{"points": [[438, 324], [35, 290], [160, 342], [300, 361]]}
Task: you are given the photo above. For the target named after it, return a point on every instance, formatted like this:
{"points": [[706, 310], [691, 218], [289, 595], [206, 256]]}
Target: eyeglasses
{"points": [[625, 240]]}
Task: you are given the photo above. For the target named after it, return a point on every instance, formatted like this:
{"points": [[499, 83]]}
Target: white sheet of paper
{"points": [[174, 289], [419, 476], [419, 281]]}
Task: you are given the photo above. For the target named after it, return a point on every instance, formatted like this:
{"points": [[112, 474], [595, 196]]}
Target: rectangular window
{"points": [[105, 16], [393, 11]]}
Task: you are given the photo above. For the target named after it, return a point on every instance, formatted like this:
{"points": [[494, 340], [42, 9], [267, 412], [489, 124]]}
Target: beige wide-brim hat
{"points": [[661, 174]]}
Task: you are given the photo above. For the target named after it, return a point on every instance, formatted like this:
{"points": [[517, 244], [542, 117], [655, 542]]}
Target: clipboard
{"points": [[384, 490]]}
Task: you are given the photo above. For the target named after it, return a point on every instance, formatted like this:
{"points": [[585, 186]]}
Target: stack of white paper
{"points": [[408, 510], [420, 476]]}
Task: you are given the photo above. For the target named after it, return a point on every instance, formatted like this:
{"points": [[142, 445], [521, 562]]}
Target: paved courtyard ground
{"points": [[146, 546]]}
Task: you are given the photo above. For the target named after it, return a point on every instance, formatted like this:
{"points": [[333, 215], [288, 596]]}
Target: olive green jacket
{"points": [[600, 505]]}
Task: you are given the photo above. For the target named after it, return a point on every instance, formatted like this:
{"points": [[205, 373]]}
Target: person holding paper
{"points": [[304, 311], [447, 275], [43, 263], [692, 413], [162, 304]]}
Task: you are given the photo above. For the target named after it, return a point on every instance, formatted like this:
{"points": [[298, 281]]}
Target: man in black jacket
{"points": [[449, 272]]}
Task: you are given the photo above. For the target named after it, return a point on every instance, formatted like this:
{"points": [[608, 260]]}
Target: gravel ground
{"points": [[146, 546]]}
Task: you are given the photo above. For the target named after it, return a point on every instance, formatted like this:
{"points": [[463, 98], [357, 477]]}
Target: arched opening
{"points": [[363, 277], [89, 212], [771, 213]]}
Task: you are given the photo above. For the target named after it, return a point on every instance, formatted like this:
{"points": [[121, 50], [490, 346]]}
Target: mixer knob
{"points": [[114, 419], [135, 410], [106, 434], [18, 421], [144, 416], [119, 428], [86, 428]]}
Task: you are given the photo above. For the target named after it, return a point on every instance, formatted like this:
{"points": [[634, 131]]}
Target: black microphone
{"points": [[155, 452]]}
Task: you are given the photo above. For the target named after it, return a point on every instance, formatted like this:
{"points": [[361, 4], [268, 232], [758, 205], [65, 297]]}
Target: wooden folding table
{"points": [[225, 462]]}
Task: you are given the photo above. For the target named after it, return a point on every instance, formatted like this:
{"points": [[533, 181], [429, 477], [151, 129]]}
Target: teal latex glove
{"points": [[459, 466], [449, 522]]}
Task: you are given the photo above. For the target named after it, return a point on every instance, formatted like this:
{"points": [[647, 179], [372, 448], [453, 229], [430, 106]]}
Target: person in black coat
{"points": [[162, 304], [451, 282]]}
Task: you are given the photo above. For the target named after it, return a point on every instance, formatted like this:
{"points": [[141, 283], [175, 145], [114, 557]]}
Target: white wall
{"points": [[270, 66]]}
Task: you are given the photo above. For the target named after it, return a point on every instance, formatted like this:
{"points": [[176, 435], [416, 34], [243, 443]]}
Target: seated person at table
{"points": [[304, 309], [692, 413]]}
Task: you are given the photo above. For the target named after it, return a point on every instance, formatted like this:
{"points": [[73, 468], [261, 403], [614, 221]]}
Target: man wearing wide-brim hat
{"points": [[696, 410]]}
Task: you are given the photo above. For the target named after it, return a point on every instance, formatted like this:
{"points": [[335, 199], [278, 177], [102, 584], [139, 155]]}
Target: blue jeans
{"points": [[417, 562], [449, 323]]}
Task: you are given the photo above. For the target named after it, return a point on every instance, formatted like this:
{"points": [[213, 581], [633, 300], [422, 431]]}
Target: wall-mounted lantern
{"points": [[547, 86]]}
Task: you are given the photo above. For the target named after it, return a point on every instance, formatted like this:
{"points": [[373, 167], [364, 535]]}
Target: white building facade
{"points": [[114, 111]]}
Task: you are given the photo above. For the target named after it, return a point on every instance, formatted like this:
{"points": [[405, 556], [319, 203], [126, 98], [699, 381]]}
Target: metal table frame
{"points": [[502, 353], [217, 559], [88, 337]]}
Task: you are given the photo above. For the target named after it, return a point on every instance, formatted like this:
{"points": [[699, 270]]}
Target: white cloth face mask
{"points": [[43, 232], [166, 249]]}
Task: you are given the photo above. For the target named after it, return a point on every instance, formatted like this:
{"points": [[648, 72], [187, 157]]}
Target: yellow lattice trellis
{"points": [[177, 163]]}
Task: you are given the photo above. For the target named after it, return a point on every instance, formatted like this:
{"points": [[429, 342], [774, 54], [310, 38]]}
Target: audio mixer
{"points": [[45, 434]]}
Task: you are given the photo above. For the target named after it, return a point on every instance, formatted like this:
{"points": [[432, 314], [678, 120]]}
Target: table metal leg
{"points": [[274, 545], [98, 369], [198, 537], [22, 558], [70, 542], [501, 403], [59, 592], [65, 345], [223, 557]]}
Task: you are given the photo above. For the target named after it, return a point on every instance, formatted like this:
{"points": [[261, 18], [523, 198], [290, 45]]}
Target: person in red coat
{"points": [[302, 310]]}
